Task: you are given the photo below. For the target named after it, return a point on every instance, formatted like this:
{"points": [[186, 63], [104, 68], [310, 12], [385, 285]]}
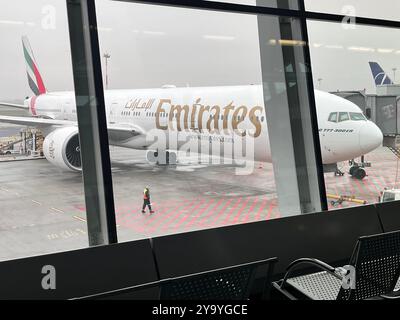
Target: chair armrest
{"points": [[389, 296], [318, 263]]}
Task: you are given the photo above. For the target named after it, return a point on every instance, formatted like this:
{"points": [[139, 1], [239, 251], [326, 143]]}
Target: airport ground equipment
{"points": [[339, 199], [373, 272], [9, 147], [30, 143], [389, 195]]}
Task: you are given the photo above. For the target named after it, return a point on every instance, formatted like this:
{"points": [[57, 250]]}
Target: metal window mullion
{"points": [[92, 123], [313, 109], [250, 9]]}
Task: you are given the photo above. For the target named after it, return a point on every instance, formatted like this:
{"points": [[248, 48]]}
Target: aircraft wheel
{"points": [[360, 174], [171, 157], [352, 170]]}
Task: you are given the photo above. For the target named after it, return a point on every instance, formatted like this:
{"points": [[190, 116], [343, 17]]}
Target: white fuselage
{"points": [[224, 114]]}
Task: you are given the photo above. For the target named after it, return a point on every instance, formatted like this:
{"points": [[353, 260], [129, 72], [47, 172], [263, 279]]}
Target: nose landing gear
{"points": [[357, 172], [357, 168]]}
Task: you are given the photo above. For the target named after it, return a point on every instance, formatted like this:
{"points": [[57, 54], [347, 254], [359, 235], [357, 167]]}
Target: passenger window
{"points": [[333, 117], [343, 116]]}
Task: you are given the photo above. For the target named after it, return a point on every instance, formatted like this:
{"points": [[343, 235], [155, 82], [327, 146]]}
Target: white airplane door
{"points": [[67, 111], [113, 112]]}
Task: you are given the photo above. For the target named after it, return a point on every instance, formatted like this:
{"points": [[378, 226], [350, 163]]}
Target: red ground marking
{"points": [[269, 210], [186, 216], [264, 203], [158, 217], [246, 217], [174, 215], [217, 216], [229, 213], [277, 212], [240, 211], [128, 215], [363, 187], [371, 188], [150, 218], [351, 187], [80, 207], [194, 218], [376, 188], [161, 212], [204, 219]]}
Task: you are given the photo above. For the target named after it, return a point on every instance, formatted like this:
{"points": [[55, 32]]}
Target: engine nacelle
{"points": [[62, 149]]}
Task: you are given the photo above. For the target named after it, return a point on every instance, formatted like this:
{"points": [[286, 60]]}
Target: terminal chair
{"points": [[376, 261], [231, 283]]}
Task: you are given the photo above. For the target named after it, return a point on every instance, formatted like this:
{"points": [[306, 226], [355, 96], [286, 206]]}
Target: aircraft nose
{"points": [[371, 137]]}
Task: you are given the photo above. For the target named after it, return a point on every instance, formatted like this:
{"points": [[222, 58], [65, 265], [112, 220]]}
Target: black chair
{"points": [[231, 283], [376, 261]]}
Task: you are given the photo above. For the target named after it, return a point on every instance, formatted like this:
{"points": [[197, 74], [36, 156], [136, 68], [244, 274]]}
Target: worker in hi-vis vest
{"points": [[146, 200]]}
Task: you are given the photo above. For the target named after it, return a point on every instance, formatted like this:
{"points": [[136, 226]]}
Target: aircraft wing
{"points": [[116, 132], [13, 105], [35, 122], [123, 132]]}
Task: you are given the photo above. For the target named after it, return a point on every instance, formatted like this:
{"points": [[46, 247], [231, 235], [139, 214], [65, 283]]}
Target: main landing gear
{"points": [[162, 157]]}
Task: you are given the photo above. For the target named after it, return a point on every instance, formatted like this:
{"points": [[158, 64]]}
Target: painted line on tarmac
{"points": [[79, 218], [57, 210]]}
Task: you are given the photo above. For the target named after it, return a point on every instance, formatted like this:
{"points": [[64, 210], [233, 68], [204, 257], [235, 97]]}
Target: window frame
{"points": [[339, 119], [93, 51]]}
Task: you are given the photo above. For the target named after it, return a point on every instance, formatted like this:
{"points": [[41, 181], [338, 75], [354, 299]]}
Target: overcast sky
{"points": [[151, 46]]}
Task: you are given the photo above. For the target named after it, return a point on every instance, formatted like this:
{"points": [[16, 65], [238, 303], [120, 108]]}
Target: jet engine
{"points": [[62, 148]]}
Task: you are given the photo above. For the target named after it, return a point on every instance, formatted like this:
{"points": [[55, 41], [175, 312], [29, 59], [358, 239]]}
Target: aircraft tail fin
{"points": [[35, 80], [380, 76]]}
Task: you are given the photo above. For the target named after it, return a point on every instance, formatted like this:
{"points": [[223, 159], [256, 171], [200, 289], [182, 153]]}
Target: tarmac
{"points": [[42, 208]]}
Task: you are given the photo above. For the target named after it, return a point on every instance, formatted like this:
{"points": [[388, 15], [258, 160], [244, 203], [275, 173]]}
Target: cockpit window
{"points": [[343, 116], [333, 117], [357, 116]]}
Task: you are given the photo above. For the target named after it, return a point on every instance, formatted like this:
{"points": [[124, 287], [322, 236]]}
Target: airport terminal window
{"points": [[42, 198], [200, 96], [385, 9], [284, 4], [198, 179], [369, 163]]}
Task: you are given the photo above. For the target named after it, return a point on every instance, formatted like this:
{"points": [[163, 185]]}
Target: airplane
{"points": [[220, 115], [380, 76]]}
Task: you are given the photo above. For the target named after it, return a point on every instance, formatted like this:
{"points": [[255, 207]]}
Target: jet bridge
{"points": [[383, 110]]}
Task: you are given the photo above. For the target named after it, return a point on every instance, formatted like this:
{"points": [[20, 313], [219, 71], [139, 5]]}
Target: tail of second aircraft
{"points": [[34, 78], [380, 76]]}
